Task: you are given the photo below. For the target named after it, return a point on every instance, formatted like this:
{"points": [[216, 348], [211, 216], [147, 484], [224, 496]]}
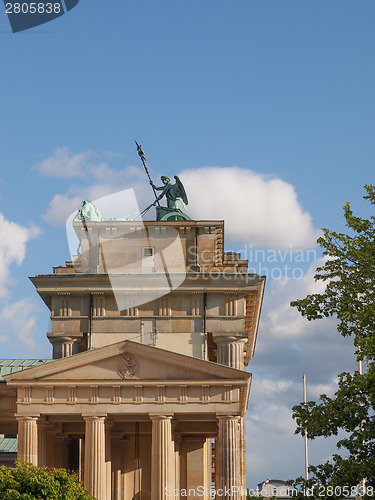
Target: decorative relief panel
{"points": [[164, 309], [98, 304], [27, 395], [128, 366], [116, 398], [94, 394], [64, 304], [50, 397], [230, 305], [183, 394], [161, 393], [227, 394], [138, 394], [196, 301], [205, 393], [72, 394]]}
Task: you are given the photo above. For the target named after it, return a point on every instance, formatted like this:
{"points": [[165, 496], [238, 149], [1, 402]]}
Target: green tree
{"points": [[27, 482], [349, 277]]}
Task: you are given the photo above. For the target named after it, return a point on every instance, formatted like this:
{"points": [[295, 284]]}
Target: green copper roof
{"points": [[8, 445], [15, 365]]}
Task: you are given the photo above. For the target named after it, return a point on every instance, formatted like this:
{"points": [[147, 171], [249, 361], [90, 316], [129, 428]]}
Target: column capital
{"points": [[224, 338], [25, 418], [161, 416], [92, 418], [62, 338], [228, 417]]}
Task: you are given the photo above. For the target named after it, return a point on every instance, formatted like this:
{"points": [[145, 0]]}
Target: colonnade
{"points": [[174, 461], [102, 456]]}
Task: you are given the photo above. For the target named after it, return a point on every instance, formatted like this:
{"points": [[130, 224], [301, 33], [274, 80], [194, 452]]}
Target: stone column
{"points": [[198, 469], [51, 448], [242, 449], [230, 349], [62, 346], [81, 458], [27, 439], [62, 443], [217, 454], [108, 446], [118, 466], [42, 442], [67, 348], [162, 456], [177, 467], [183, 464], [228, 459], [95, 466], [208, 464]]}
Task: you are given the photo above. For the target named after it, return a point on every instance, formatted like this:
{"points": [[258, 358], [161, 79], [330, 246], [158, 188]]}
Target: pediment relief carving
{"points": [[127, 361], [128, 366]]}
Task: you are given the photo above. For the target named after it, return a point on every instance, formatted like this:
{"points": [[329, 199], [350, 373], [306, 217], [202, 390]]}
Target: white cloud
{"points": [[270, 429], [103, 180], [259, 210], [13, 239], [279, 318], [287, 346], [19, 319], [106, 181], [63, 163], [60, 207], [292, 345]]}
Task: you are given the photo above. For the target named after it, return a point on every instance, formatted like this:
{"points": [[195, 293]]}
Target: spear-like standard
{"points": [[143, 158], [306, 458]]}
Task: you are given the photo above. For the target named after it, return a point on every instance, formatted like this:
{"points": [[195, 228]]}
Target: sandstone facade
{"points": [[136, 396]]}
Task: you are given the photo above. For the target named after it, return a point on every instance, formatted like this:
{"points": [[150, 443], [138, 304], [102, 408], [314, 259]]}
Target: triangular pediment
{"points": [[127, 360]]}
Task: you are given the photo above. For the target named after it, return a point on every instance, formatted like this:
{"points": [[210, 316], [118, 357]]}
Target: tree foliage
{"points": [[349, 295], [27, 482]]}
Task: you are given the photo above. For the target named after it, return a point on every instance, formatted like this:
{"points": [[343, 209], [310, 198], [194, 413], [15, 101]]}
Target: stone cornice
{"points": [[129, 382]]}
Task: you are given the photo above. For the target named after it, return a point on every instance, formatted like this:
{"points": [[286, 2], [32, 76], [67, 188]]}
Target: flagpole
{"points": [[362, 482], [306, 458]]}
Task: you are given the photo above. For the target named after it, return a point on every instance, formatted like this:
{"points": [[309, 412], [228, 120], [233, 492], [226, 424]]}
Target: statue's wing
{"points": [[181, 193]]}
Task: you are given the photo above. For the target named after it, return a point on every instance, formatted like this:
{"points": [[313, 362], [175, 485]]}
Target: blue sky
{"points": [[280, 89]]}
